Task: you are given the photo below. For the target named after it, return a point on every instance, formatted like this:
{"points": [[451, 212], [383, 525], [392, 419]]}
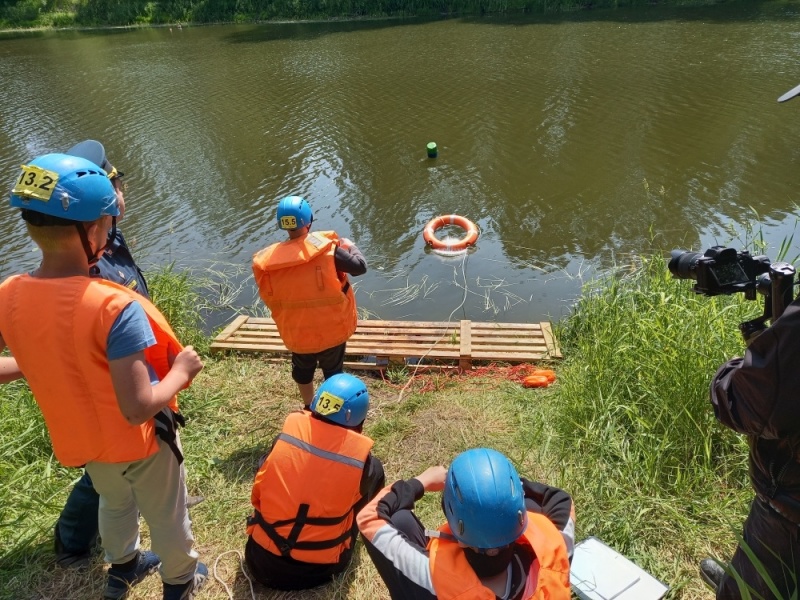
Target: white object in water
{"points": [[599, 572]]}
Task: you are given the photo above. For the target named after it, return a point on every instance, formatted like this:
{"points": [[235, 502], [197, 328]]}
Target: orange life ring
{"points": [[429, 233]]}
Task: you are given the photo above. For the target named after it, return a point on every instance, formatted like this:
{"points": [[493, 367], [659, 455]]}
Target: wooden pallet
{"points": [[430, 344]]}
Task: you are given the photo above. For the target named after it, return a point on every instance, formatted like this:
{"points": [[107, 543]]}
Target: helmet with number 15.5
{"points": [[342, 399], [294, 213]]}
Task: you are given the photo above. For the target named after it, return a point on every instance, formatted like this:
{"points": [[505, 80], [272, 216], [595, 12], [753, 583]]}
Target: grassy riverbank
{"points": [[627, 430], [83, 13]]}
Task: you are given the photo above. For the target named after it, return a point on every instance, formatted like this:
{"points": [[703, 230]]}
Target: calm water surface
{"points": [[574, 143]]}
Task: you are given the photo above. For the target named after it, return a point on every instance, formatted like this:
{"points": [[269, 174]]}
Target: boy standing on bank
{"points": [[303, 281], [104, 366]]}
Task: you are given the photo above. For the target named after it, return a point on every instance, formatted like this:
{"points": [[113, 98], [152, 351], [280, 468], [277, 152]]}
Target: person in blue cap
{"points": [[76, 529]]}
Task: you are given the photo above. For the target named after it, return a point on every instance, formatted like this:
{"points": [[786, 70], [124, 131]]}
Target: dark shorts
{"points": [[331, 361], [282, 573]]}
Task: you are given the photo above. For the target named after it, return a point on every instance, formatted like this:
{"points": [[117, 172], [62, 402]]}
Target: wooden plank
{"points": [[465, 349], [409, 351], [379, 323], [552, 344], [230, 329], [507, 327], [417, 339], [247, 347], [395, 341]]}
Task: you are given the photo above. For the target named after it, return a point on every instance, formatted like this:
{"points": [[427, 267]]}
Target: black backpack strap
{"points": [[286, 544], [167, 427], [280, 542]]}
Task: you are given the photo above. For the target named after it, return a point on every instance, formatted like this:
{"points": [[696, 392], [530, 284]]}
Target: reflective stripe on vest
{"points": [[305, 491], [57, 329], [312, 304], [453, 578], [346, 460]]}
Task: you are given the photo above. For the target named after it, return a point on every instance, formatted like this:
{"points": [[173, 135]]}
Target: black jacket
{"points": [[759, 395]]}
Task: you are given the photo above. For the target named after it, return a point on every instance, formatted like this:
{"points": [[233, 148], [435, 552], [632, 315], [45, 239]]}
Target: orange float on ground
{"points": [[539, 378], [534, 381], [429, 233]]}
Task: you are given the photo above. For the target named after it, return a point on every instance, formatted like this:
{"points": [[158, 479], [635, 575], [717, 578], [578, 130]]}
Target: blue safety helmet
{"points": [[483, 499], [343, 399], [294, 213], [65, 186]]}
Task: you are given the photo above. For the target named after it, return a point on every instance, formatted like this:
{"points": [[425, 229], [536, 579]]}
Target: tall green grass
{"points": [[630, 426], [177, 297]]}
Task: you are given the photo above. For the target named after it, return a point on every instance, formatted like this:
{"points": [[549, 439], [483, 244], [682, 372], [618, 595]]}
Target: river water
{"points": [[574, 142]]}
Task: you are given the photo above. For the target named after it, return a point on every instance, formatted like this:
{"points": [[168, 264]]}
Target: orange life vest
{"points": [[305, 491], [454, 579], [57, 330], [313, 305]]}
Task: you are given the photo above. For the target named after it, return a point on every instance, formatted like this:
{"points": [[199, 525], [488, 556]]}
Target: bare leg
{"points": [[306, 393]]}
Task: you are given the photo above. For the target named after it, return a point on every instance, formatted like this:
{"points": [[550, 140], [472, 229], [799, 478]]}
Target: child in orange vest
{"points": [[104, 367], [303, 281], [505, 537], [318, 474]]}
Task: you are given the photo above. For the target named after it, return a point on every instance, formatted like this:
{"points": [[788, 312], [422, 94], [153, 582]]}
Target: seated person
{"points": [[318, 474], [505, 537]]}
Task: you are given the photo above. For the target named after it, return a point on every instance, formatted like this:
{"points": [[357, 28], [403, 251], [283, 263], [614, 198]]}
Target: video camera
{"points": [[720, 270]]}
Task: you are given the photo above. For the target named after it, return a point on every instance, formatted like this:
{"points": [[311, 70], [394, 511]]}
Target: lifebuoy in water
{"points": [[429, 233]]}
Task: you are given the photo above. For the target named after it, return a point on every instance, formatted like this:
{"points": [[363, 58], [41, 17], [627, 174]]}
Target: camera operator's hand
{"points": [[752, 337], [750, 330]]}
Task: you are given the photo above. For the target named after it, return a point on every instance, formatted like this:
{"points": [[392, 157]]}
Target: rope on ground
{"points": [[449, 320], [242, 568]]}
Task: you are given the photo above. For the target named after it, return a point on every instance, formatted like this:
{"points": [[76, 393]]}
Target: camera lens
{"points": [[682, 264]]}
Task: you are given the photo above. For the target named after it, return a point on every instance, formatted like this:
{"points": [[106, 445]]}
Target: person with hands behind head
{"points": [[105, 368], [303, 281], [505, 538], [318, 474]]}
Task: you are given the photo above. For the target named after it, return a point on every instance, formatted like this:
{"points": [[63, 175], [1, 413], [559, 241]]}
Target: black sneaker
{"points": [[188, 590], [70, 560], [711, 572], [121, 582]]}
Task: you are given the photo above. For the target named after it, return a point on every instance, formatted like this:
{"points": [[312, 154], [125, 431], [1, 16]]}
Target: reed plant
{"points": [[631, 426], [177, 295]]}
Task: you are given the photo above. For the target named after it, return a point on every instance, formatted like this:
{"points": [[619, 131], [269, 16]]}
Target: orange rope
{"points": [[514, 373]]}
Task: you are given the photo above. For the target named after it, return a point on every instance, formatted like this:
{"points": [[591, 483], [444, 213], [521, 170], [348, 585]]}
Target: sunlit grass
{"points": [[627, 429]]}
